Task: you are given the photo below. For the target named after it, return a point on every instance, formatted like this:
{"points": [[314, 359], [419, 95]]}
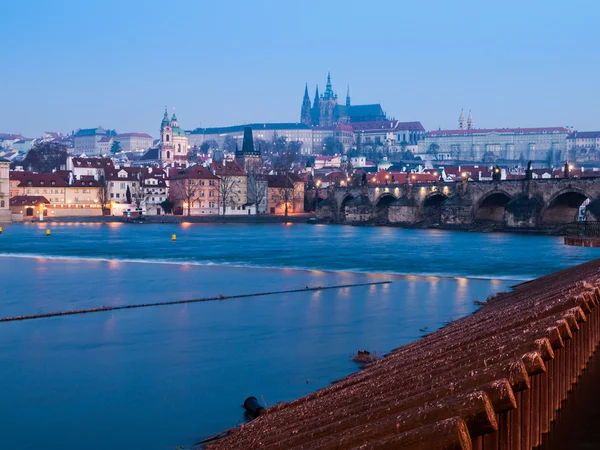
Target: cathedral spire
{"points": [[348, 96], [328, 88], [316, 102], [305, 116], [470, 123]]}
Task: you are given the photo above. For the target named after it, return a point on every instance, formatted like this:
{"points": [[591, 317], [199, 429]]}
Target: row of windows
{"points": [[45, 191]]}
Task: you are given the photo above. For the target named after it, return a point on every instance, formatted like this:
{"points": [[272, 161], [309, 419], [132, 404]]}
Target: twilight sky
{"points": [[69, 64]]}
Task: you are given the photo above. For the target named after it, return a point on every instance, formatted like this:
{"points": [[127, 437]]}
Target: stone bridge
{"points": [[539, 203]]}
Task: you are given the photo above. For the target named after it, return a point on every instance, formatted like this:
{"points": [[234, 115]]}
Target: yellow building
{"points": [[83, 191], [285, 193], [233, 187], [80, 198], [49, 185]]}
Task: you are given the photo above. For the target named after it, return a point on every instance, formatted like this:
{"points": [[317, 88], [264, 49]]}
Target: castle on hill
{"points": [[325, 111]]}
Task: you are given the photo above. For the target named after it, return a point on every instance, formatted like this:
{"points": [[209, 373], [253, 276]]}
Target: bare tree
{"points": [[138, 191], [103, 194], [257, 189], [228, 187], [186, 190]]}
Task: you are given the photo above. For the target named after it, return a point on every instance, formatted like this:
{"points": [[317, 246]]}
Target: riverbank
{"points": [[298, 219], [250, 219]]}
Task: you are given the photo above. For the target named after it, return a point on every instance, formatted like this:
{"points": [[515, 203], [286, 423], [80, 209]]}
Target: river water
{"points": [[161, 377]]}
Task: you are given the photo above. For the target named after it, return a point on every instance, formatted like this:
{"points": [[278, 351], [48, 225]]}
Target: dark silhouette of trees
{"points": [[115, 147], [332, 146], [229, 144], [46, 157]]}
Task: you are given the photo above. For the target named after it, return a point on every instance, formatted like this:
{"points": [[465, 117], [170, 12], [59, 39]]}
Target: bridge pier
{"points": [[456, 211], [523, 212], [405, 211]]}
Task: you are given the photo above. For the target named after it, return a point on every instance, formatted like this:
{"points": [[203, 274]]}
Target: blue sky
{"points": [[78, 64]]}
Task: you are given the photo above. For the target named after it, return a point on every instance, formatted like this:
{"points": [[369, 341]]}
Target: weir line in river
{"points": [[180, 302]]}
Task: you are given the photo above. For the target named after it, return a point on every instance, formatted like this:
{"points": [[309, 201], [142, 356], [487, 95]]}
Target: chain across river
{"points": [[181, 302]]}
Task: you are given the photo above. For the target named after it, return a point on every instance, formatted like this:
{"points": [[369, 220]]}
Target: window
{"points": [[112, 195], [211, 194], [118, 195], [122, 186], [167, 139]]}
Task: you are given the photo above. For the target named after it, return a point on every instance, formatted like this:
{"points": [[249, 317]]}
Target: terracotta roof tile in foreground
{"points": [[492, 380]]}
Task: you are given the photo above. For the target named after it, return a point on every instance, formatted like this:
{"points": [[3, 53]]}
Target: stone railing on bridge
{"points": [[493, 380], [539, 203]]}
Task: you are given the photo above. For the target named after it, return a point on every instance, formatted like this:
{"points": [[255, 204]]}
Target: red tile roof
{"points": [[228, 168], [93, 162], [383, 176], [28, 200], [196, 172], [86, 180], [42, 180], [279, 181]]}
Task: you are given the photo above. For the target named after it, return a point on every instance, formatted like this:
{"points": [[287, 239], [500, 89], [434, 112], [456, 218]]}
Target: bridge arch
{"points": [[344, 201], [432, 207], [563, 206], [380, 210], [491, 207]]}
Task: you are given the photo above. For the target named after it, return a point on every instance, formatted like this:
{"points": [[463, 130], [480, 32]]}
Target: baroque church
{"points": [[326, 112], [173, 145]]}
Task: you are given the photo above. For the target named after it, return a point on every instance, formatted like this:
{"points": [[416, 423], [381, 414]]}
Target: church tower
{"points": [[470, 123], [327, 105], [166, 138], [174, 146], [305, 115], [462, 122], [249, 157], [315, 112]]}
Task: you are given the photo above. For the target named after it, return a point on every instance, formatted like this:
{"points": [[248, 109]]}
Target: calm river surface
{"points": [[161, 377]]}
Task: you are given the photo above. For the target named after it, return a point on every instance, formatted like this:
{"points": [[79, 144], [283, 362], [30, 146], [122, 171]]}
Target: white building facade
{"points": [[134, 141], [490, 145], [87, 141]]}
